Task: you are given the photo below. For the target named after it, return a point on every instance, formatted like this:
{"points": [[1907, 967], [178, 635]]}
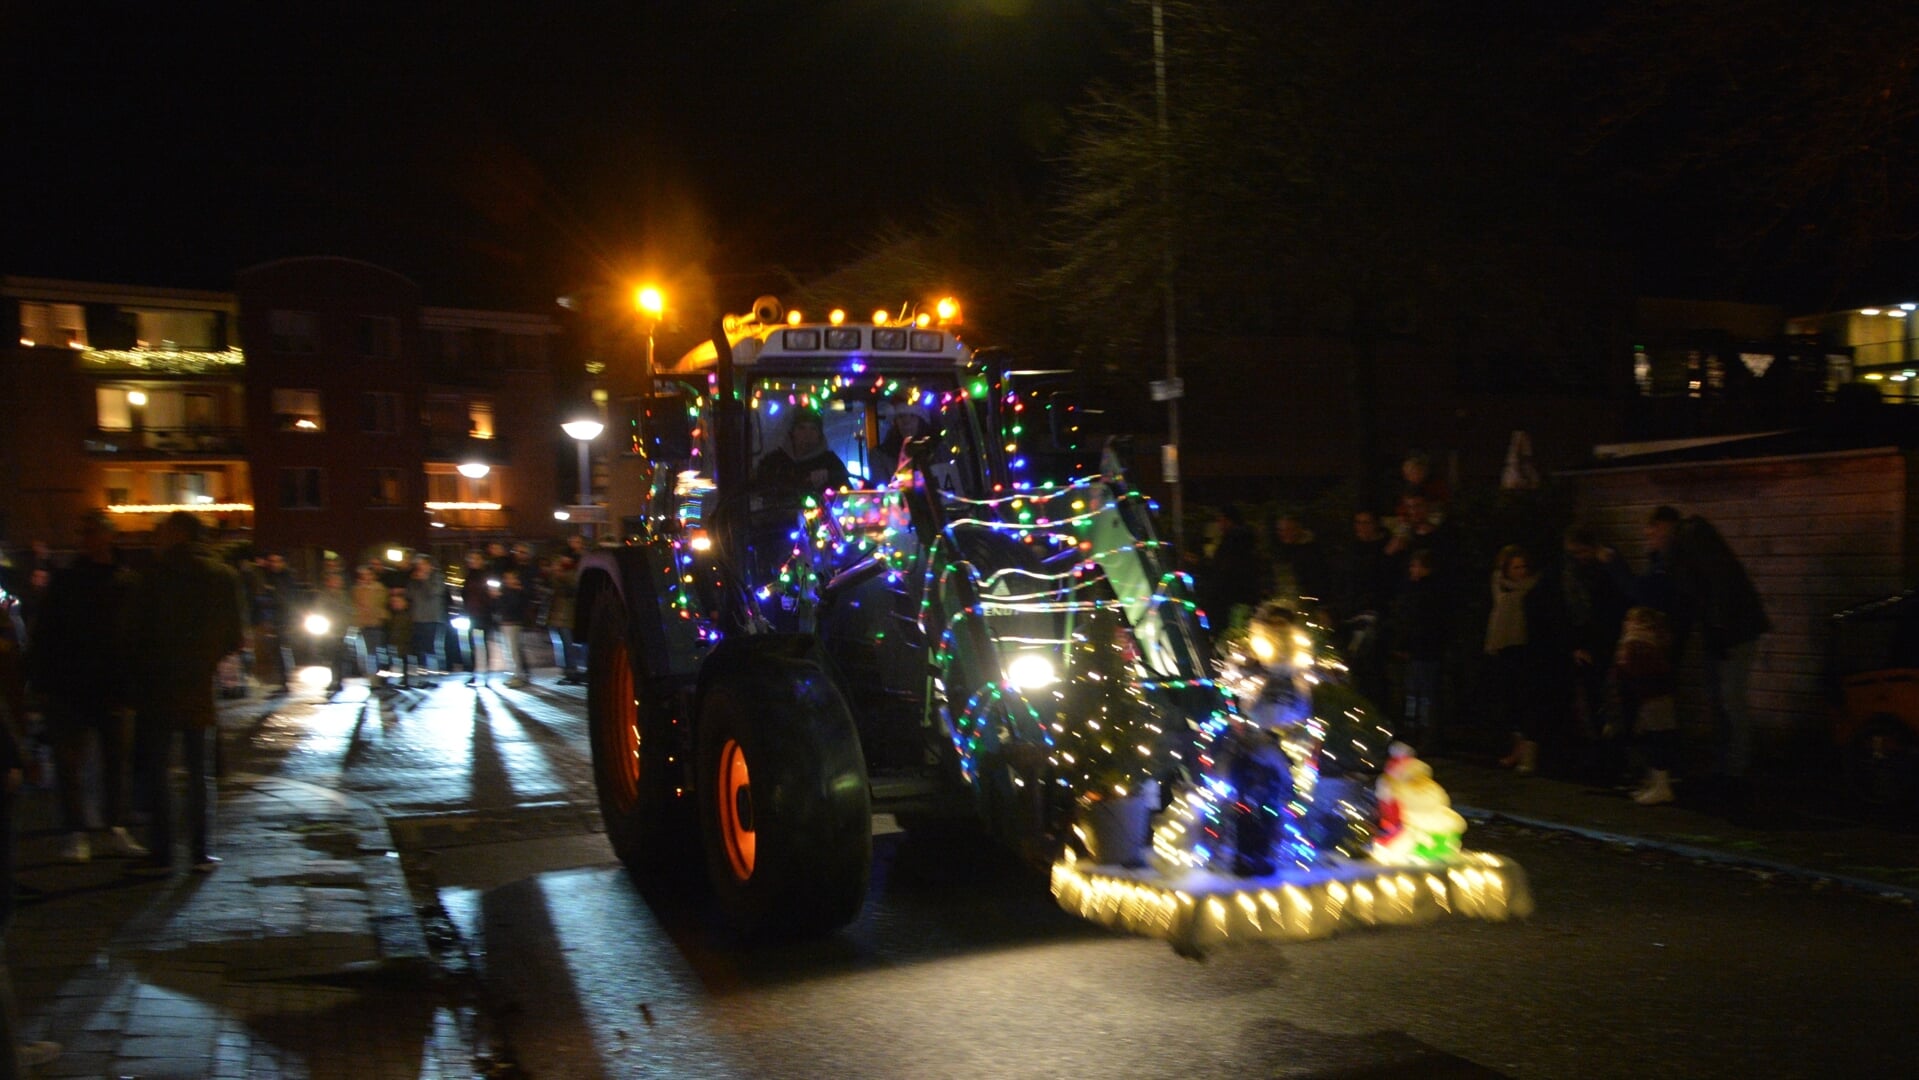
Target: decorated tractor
{"points": [[869, 578]]}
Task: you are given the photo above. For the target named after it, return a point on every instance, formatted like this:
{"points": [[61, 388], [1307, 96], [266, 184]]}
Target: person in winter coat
{"points": [[1229, 578], [514, 611], [74, 660], [369, 622], [335, 605], [1595, 607], [183, 615], [1712, 592], [399, 631], [476, 602], [16, 1057], [276, 596], [1522, 645], [1298, 568], [1417, 636], [426, 599], [565, 586]]}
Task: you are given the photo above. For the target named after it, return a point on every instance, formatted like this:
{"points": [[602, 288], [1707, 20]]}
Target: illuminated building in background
{"points": [[318, 407]]}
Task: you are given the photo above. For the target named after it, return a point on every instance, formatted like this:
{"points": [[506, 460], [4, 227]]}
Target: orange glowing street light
{"points": [[652, 306]]}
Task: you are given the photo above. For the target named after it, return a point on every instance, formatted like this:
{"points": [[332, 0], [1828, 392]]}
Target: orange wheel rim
{"points": [[736, 810], [625, 725]]}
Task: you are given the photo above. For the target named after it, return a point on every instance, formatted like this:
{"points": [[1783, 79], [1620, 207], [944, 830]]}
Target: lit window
{"points": [[181, 488], [388, 488], [479, 419], [298, 410], [57, 325], [111, 411], [162, 328]]}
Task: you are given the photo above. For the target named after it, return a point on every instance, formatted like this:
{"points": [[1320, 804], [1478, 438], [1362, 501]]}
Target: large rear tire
{"points": [[785, 812], [648, 817]]}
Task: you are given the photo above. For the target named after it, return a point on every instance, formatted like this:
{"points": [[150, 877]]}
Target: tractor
{"points": [[867, 579]]}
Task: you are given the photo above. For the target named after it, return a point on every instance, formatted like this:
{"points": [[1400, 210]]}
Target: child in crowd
{"points": [[1643, 667]]}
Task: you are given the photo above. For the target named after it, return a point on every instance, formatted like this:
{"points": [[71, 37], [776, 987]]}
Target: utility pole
{"points": [[1169, 454]]}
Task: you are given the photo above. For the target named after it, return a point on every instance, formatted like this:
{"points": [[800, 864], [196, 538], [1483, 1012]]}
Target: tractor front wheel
{"points": [[785, 813]]}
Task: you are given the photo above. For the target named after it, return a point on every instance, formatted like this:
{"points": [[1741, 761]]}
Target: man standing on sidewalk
{"points": [[1693, 575], [74, 659], [184, 615]]}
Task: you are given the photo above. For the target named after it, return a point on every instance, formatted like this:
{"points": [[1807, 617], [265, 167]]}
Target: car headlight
{"points": [[1031, 671], [318, 625]]}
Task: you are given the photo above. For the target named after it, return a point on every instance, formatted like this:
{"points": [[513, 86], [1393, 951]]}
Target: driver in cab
{"points": [[805, 463]]}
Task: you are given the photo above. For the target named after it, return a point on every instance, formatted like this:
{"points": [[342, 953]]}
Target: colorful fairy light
{"points": [[1065, 651]]}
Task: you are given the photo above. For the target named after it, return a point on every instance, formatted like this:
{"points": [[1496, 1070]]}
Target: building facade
{"points": [[121, 397], [317, 408]]}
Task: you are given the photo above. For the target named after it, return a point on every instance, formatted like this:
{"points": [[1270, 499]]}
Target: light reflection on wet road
{"points": [[961, 965]]}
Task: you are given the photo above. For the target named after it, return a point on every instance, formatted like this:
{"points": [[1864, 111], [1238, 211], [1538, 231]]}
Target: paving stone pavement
{"points": [[301, 956]]}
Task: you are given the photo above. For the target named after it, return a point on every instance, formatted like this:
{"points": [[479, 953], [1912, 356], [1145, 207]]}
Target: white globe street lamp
{"points": [[583, 431]]}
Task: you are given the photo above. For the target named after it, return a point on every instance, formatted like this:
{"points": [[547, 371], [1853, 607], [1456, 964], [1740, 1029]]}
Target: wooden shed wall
{"points": [[1817, 534]]}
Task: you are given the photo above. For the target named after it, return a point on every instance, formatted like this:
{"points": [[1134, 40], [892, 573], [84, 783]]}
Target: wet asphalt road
{"points": [[1637, 964]]}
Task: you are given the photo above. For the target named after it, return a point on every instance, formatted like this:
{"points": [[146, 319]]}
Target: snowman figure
{"points": [[1417, 822]]}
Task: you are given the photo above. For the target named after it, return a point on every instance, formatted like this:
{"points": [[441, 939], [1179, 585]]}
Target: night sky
{"points": [[506, 154]]}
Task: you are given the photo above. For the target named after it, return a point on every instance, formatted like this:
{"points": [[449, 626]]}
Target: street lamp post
{"points": [[583, 431], [652, 304]]}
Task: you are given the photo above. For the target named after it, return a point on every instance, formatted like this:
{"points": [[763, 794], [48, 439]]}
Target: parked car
{"points": [[1875, 671]]}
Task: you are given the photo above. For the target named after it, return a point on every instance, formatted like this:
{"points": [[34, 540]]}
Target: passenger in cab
{"points": [[908, 423]]}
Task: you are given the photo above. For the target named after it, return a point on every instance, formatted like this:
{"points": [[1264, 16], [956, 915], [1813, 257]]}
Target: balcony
{"points": [[163, 361], [455, 449], [466, 519], [199, 441]]}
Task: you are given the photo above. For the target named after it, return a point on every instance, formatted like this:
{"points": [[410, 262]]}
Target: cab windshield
{"points": [[807, 426]]}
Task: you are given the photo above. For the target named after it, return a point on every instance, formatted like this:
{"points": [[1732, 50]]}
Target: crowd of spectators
{"points": [[404, 624], [1517, 633]]}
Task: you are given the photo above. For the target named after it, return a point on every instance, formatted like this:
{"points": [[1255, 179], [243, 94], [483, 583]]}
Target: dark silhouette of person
{"points": [[805, 463]]}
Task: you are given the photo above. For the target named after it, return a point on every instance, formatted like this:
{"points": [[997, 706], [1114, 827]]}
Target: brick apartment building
{"points": [[318, 407]]}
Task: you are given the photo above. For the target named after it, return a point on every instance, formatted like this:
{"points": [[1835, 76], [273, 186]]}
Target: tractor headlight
{"points": [[1031, 671], [1265, 649], [318, 625]]}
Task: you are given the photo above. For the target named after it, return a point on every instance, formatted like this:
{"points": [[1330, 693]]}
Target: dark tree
{"points": [[1758, 146], [1335, 162]]}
